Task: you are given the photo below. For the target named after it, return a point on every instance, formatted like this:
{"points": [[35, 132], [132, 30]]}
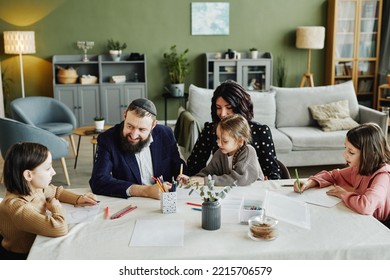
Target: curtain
{"points": [[384, 54]]}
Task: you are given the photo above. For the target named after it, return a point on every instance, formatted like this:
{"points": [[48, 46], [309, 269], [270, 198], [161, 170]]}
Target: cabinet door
{"points": [[132, 92], [89, 104], [224, 70], [254, 74], [68, 96], [112, 102]]}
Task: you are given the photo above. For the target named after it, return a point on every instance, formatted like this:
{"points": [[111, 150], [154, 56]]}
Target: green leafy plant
{"points": [[116, 45], [252, 49], [281, 71], [98, 118], [6, 85], [177, 65], [207, 192]]}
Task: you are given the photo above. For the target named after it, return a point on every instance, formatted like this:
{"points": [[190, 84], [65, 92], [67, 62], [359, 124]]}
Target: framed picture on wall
{"points": [[210, 18]]}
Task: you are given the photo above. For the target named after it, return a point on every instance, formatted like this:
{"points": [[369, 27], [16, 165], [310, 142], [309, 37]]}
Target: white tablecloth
{"points": [[336, 233]]}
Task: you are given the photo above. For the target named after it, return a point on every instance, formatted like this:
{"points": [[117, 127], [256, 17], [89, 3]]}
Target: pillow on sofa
{"points": [[333, 116]]}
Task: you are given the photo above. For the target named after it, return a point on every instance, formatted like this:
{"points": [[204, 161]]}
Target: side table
{"points": [[86, 131], [168, 96]]}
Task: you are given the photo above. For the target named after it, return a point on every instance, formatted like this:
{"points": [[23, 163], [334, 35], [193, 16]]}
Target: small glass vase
{"points": [[211, 215]]}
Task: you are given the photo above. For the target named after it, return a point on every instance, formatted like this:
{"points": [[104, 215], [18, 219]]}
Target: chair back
{"points": [[45, 112], [285, 174], [13, 132]]}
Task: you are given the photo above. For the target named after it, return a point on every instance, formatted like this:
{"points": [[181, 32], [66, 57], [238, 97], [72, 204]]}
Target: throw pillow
{"points": [[333, 116]]}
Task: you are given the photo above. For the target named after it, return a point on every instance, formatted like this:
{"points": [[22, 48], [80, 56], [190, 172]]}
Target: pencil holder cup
{"points": [[168, 202]]}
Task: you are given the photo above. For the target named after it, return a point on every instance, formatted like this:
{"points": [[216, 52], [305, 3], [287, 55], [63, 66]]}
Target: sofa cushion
{"points": [[313, 138], [199, 104], [281, 141], [292, 104], [333, 116]]}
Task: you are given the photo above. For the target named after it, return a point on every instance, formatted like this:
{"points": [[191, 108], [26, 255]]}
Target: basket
{"points": [[67, 76]]}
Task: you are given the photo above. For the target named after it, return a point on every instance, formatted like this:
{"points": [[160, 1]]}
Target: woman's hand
{"points": [[88, 199], [336, 191]]}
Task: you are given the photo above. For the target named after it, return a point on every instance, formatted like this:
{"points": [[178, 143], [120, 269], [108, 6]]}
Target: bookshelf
{"points": [[353, 35]]}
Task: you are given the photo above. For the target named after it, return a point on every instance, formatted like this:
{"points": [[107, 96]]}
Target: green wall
{"points": [[151, 27]]}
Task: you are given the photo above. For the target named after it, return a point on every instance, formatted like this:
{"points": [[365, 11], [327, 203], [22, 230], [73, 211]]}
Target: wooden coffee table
{"points": [[87, 131]]}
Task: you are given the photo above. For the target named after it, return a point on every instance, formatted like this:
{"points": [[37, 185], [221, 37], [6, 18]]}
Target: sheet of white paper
{"points": [[149, 233], [75, 215], [286, 209], [316, 196]]}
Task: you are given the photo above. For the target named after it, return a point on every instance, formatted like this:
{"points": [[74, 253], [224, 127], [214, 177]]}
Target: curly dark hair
{"points": [[234, 94]]}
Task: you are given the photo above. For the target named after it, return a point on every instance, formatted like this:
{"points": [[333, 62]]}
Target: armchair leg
{"points": [[73, 145], [65, 170]]}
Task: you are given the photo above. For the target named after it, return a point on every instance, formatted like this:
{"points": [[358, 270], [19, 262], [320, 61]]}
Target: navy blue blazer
{"points": [[114, 170]]}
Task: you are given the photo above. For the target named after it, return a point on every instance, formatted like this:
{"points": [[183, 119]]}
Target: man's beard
{"points": [[133, 148]]}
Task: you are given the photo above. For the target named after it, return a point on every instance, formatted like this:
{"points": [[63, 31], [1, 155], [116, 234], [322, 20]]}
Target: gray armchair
{"points": [[13, 132], [46, 113]]}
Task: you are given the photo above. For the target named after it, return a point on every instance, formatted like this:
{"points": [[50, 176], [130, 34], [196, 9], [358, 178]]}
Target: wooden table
{"points": [[87, 131]]}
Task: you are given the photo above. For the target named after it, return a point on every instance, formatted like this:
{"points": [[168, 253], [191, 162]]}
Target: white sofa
{"points": [[298, 139]]}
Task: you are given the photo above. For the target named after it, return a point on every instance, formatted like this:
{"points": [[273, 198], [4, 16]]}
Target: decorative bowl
{"points": [[262, 228]]}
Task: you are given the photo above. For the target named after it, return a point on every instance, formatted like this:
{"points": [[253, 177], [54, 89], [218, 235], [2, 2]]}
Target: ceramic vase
{"points": [[254, 54], [99, 125], [211, 215], [176, 90], [116, 54]]}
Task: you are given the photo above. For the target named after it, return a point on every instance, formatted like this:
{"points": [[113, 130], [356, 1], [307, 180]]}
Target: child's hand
{"points": [[197, 179], [51, 204], [87, 199], [182, 178], [336, 191]]}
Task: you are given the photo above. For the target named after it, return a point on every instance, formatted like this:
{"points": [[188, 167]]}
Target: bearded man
{"points": [[131, 153]]}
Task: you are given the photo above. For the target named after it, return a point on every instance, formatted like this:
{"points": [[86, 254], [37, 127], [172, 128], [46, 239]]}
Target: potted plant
{"points": [[115, 49], [254, 53], [211, 207], [99, 123], [178, 68]]}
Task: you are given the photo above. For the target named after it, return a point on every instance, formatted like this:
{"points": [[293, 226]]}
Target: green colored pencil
{"points": [[297, 177]]}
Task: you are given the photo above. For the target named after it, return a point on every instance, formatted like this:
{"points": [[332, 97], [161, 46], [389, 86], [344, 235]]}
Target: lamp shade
{"points": [[310, 37], [19, 42]]}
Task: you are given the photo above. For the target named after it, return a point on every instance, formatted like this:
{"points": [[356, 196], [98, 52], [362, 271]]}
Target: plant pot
{"points": [[211, 215], [254, 54], [176, 90], [99, 125], [116, 54]]}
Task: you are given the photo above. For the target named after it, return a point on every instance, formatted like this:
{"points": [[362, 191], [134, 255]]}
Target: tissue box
{"points": [[248, 209]]}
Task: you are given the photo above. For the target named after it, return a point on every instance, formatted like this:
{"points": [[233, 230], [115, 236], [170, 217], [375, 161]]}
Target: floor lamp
{"points": [[19, 42], [309, 37]]}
